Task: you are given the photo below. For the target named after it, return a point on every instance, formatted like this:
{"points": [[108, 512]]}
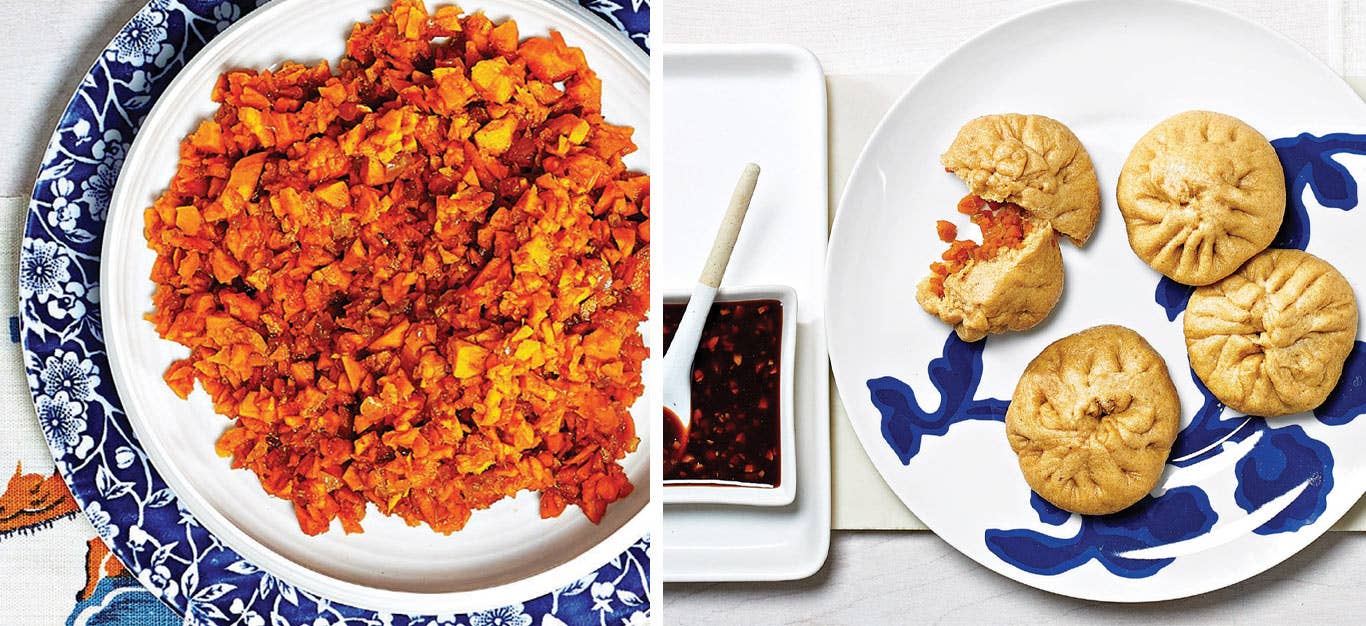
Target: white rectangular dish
{"points": [[733, 492], [726, 106]]}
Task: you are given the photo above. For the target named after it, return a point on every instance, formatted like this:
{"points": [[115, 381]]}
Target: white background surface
{"points": [[871, 577], [873, 50]]}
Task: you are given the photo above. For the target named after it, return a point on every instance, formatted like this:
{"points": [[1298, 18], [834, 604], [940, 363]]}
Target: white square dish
{"points": [[742, 493], [725, 106]]}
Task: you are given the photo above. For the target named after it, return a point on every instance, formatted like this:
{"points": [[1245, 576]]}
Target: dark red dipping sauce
{"points": [[735, 433]]}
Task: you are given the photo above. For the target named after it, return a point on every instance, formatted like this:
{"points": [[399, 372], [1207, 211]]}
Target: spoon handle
{"points": [[729, 230], [680, 353], [689, 333]]}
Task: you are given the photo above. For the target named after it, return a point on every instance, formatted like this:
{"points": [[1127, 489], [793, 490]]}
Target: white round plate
{"points": [[507, 553], [1240, 494]]}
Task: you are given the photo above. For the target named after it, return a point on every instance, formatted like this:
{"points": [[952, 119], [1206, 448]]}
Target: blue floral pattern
{"points": [[956, 375], [1176, 515], [93, 445], [1273, 463], [63, 424], [44, 271]]}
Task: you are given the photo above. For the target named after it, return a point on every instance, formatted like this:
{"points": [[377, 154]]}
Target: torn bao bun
{"points": [[1036, 165], [1031, 161], [1013, 291]]}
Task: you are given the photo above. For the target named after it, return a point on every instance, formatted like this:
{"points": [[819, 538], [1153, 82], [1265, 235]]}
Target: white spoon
{"points": [[678, 358]]}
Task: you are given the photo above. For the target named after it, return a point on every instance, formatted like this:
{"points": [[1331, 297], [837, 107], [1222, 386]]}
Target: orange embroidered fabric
{"points": [[33, 500], [415, 281], [1003, 225]]}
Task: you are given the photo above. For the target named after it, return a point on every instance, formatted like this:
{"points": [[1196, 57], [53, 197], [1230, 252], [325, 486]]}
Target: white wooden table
{"points": [[871, 51]]}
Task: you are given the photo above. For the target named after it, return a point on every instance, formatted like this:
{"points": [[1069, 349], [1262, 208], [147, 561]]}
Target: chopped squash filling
{"points": [[413, 280], [1003, 226]]}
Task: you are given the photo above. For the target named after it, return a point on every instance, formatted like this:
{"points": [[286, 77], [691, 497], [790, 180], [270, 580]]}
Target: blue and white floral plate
{"points": [[158, 503], [1240, 493]]}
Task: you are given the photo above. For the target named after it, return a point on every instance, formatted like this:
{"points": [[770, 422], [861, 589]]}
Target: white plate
{"points": [[733, 492], [1110, 70], [507, 553], [725, 106]]}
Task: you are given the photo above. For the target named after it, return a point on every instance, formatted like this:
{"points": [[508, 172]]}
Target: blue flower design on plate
{"points": [[43, 271], [1176, 515], [143, 40], [63, 423], [1276, 461], [956, 375], [67, 371], [1349, 399], [513, 615], [162, 544], [1281, 459]]}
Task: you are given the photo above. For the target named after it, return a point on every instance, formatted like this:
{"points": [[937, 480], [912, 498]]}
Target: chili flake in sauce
{"points": [[735, 432], [414, 281]]}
